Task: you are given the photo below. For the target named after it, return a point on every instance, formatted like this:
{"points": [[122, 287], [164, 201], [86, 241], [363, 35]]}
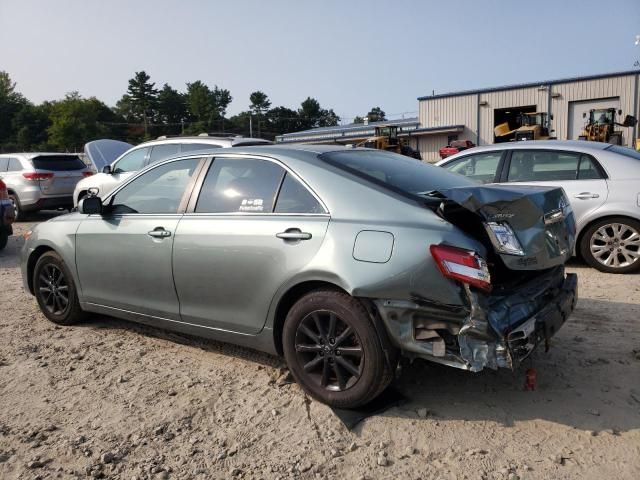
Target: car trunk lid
{"points": [[57, 174], [540, 218]]}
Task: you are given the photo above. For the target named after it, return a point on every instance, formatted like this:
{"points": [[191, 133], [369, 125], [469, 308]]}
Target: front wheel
{"points": [[55, 291], [333, 350], [612, 245], [17, 209]]}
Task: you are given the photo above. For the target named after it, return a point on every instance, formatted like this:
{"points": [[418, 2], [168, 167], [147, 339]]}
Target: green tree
{"points": [[358, 119], [206, 106], [283, 120], [260, 103], [30, 124], [11, 102], [172, 109], [141, 99], [77, 120], [376, 114], [313, 115]]}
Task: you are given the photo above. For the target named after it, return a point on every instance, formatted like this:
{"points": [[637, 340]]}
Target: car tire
{"points": [[55, 290], [17, 208], [4, 238], [333, 350], [609, 244]]}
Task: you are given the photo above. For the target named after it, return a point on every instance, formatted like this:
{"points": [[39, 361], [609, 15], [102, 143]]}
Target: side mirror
{"points": [[90, 206], [107, 169], [551, 117], [619, 112]]}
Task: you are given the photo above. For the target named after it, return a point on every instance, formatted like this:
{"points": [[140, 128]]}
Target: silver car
{"points": [[340, 259], [38, 181], [602, 182], [116, 161]]}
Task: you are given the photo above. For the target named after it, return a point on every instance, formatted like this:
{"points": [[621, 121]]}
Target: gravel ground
{"points": [[111, 399]]}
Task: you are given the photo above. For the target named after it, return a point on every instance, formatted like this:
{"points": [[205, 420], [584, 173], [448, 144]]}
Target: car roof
{"points": [[30, 155], [574, 145], [216, 140]]}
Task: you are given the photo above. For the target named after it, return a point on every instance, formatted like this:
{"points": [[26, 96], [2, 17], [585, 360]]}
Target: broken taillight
{"points": [[463, 265], [35, 176]]}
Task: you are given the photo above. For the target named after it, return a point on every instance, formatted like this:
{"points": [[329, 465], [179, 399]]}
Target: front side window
{"points": [[480, 167], [160, 152], [543, 166], [132, 161], [295, 198], [240, 185], [159, 190]]}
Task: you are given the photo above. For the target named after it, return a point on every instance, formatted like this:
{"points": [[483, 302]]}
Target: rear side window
{"points": [[56, 163], [545, 166], [240, 185], [160, 152], [295, 198], [3, 164], [395, 172], [188, 147], [132, 161]]}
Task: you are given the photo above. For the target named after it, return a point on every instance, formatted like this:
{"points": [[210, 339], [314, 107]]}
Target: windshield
{"points": [[395, 172], [602, 116], [626, 151], [530, 119]]}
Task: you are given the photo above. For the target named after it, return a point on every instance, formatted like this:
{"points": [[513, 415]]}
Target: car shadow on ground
{"points": [[582, 382]]}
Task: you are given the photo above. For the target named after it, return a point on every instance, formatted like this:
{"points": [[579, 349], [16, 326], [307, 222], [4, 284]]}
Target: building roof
{"points": [[529, 85], [353, 130]]}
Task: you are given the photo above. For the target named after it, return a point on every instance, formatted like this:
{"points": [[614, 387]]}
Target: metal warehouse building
{"points": [[473, 114]]}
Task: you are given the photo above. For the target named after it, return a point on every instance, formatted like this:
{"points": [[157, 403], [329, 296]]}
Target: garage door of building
{"points": [[576, 109]]}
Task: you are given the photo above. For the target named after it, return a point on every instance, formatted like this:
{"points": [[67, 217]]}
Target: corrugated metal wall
{"points": [[428, 146], [462, 110], [622, 87], [505, 99]]}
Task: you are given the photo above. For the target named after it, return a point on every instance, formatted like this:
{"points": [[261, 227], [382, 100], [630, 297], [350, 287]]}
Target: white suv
{"points": [[136, 158]]}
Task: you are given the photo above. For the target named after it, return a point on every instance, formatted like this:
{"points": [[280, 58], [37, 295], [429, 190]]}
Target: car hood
{"points": [[104, 152]]}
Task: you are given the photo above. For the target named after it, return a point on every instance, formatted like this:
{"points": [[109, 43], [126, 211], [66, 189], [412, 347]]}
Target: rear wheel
{"points": [[333, 350], [55, 291], [612, 245], [17, 209]]}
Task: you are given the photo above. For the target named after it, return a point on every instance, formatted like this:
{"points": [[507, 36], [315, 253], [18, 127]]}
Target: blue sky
{"points": [[350, 55]]}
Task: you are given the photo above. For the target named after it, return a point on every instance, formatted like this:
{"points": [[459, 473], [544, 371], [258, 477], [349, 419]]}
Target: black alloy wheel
{"points": [[329, 350]]}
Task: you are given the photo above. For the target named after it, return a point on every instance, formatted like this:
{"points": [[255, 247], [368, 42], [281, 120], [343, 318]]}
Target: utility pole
{"points": [[250, 126]]}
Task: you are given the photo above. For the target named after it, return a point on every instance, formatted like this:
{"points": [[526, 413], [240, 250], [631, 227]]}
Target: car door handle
{"points": [[159, 232], [587, 195], [294, 234]]}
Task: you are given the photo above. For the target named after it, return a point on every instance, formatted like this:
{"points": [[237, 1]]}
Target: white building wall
{"points": [[622, 87], [446, 112]]}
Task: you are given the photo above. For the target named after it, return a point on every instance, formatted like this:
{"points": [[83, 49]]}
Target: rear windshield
{"points": [[627, 152], [396, 172], [58, 162]]}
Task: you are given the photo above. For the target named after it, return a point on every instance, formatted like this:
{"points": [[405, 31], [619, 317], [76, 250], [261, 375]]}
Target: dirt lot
{"points": [[111, 399]]}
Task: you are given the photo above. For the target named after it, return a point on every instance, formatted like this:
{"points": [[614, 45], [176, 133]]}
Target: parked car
{"points": [[7, 215], [602, 183], [117, 160], [341, 259], [37, 181]]}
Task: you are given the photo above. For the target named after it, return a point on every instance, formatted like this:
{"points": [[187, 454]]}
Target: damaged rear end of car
{"points": [[512, 296]]}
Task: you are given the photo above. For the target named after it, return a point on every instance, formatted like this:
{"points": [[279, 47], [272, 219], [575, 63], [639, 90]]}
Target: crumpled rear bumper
{"points": [[522, 340], [491, 331]]}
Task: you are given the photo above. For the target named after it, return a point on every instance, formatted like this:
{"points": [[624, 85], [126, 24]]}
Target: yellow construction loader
{"points": [[533, 126], [386, 138], [600, 126]]}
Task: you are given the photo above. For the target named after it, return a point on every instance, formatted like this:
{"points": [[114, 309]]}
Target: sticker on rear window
{"points": [[252, 205]]}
